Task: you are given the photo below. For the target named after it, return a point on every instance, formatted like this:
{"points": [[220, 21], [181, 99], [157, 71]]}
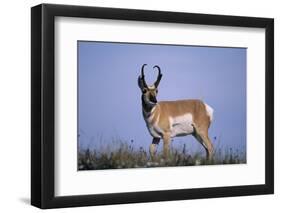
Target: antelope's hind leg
{"points": [[152, 147], [209, 146], [203, 138]]}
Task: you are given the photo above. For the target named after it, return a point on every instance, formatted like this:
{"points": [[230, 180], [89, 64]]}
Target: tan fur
{"points": [[177, 108]]}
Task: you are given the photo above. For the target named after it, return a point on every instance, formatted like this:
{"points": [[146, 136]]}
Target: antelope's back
{"points": [[197, 108]]}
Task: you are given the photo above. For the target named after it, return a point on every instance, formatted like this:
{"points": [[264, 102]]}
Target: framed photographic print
{"points": [[139, 106]]}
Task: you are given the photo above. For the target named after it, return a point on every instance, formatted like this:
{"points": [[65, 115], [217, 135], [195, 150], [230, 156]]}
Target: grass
{"points": [[125, 156]]}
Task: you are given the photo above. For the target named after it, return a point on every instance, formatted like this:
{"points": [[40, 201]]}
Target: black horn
{"points": [[142, 70], [158, 77], [141, 80]]}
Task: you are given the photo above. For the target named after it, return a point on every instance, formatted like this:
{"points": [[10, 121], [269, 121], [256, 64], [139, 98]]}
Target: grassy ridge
{"points": [[125, 156]]}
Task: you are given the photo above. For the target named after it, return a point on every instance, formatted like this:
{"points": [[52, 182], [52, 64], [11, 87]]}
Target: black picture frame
{"points": [[43, 102]]}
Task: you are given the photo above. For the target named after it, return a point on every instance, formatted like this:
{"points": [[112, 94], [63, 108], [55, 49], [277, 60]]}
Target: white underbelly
{"points": [[181, 125]]}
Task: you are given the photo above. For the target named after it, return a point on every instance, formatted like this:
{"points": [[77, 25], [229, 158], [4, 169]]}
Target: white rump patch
{"points": [[210, 111], [181, 125]]}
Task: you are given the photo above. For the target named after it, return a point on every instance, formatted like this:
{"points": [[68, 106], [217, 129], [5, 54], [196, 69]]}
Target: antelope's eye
{"points": [[156, 90], [144, 90]]}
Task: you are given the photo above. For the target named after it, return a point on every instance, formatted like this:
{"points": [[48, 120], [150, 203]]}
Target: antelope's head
{"points": [[150, 92]]}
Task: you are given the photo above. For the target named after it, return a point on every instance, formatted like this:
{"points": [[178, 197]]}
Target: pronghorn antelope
{"points": [[168, 119]]}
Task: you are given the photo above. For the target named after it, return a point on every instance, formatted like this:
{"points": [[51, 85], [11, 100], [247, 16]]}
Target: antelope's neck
{"points": [[151, 119], [147, 105], [148, 110]]}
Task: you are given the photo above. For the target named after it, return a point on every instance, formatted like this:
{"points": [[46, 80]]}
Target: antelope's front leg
{"points": [[152, 148], [166, 140]]}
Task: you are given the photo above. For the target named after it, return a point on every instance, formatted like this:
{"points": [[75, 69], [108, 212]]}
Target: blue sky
{"points": [[110, 100]]}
